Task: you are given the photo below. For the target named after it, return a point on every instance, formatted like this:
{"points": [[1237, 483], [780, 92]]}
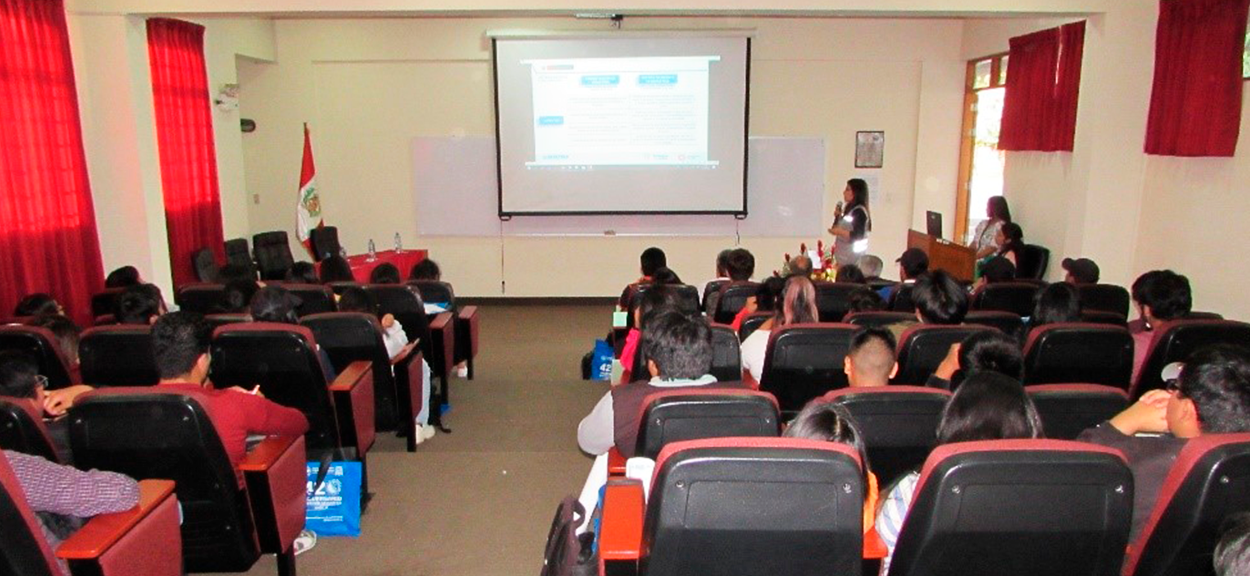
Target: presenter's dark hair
{"points": [[123, 277], [385, 273], [652, 258], [302, 273], [680, 345], [988, 406], [178, 339], [336, 269], [425, 270], [37, 304], [939, 298], [997, 208], [740, 265], [1165, 292], [1058, 302], [859, 192]]}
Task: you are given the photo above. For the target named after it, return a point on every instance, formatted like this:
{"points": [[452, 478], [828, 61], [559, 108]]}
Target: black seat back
{"points": [[1033, 262], [40, 345], [695, 414], [833, 299], [435, 292], [314, 298], [733, 296], [1069, 409], [804, 361], [898, 424], [900, 299], [712, 287], [922, 348], [726, 354], [1174, 341], [205, 264], [153, 433], [281, 358], [752, 323], [202, 298], [407, 306], [1079, 352], [1103, 317], [273, 254], [1104, 298], [1008, 323], [348, 337], [879, 318], [21, 429], [118, 356], [325, 242], [1014, 297], [1019, 507], [105, 302], [238, 253], [754, 506]]}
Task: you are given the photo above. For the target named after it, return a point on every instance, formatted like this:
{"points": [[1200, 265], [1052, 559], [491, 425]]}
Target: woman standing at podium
{"points": [[851, 223]]}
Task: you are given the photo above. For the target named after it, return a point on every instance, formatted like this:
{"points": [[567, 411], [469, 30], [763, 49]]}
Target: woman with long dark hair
{"points": [[985, 238], [851, 223]]}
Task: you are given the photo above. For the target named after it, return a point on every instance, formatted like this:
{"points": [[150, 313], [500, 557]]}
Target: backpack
{"points": [[568, 554]]}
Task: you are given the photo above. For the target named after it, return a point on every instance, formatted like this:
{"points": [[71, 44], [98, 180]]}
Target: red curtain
{"points": [[48, 239], [184, 133], [1195, 107], [1043, 85]]}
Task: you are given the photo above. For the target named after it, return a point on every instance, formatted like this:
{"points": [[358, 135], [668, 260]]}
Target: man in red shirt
{"points": [[180, 342]]}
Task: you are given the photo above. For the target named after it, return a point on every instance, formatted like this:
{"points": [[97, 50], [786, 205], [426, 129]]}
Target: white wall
{"points": [[367, 87]]}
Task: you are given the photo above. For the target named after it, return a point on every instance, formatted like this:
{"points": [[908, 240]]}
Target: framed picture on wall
{"points": [[869, 149]]}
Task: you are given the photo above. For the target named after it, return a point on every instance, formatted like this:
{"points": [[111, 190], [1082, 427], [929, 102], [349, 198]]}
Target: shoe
{"points": [[419, 434], [306, 541], [427, 431], [462, 372]]}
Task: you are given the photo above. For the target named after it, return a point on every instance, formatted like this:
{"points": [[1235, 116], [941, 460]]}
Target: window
{"points": [[980, 162]]}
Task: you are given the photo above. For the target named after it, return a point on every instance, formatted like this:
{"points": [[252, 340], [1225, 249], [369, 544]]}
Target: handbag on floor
{"points": [[333, 498], [567, 554]]}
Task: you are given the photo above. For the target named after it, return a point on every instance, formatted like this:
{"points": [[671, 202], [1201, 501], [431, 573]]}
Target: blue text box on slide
{"points": [[551, 120], [657, 79], [601, 80]]}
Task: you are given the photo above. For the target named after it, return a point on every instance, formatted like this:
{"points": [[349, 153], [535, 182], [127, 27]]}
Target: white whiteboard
{"points": [[454, 181]]}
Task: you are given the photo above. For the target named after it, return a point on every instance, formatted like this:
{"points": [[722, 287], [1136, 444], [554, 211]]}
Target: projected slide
{"points": [[644, 111]]}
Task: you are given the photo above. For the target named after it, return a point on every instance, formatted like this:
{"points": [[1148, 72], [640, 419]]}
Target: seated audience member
{"points": [[871, 266], [800, 265], [864, 300], [988, 406], [302, 273], [939, 299], [1080, 271], [996, 269], [764, 300], [990, 351], [664, 276], [870, 360], [231, 272], [1011, 242], [678, 348], [238, 296], [740, 266], [1212, 396], [180, 344], [829, 422], [336, 269], [140, 304], [38, 304], [63, 497], [1232, 553], [651, 260], [911, 265], [1057, 303], [385, 273], [67, 335], [357, 299], [797, 306], [657, 300], [722, 268], [426, 270], [20, 381], [123, 277], [276, 304], [850, 273], [1160, 295]]}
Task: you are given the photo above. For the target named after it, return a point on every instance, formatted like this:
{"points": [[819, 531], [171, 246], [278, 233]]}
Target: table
{"points": [[362, 267]]}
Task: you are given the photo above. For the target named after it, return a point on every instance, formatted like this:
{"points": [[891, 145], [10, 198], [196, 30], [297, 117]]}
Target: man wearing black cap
{"points": [[911, 264], [1080, 271]]}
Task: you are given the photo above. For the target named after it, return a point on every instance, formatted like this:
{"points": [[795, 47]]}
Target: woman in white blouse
{"points": [[985, 239]]}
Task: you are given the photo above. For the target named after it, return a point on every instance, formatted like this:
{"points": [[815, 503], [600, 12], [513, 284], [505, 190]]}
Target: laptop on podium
{"points": [[933, 223]]}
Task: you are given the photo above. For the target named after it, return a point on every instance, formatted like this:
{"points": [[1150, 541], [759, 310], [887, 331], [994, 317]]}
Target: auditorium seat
{"points": [[325, 242], [436, 336], [689, 294], [273, 254], [104, 320], [40, 345], [1209, 482], [468, 323], [143, 540], [1196, 315], [694, 414], [239, 254], [1069, 409], [218, 320], [712, 287], [739, 506], [1018, 507], [118, 356], [314, 298], [1175, 340], [283, 360], [878, 318], [1015, 297], [898, 424], [1104, 298], [349, 337], [804, 361], [435, 292], [157, 433], [752, 323], [1079, 352], [22, 430], [900, 299], [922, 347], [726, 358], [1008, 323], [340, 287], [833, 299], [202, 298], [731, 298], [205, 264], [1033, 262], [105, 302], [1103, 317]]}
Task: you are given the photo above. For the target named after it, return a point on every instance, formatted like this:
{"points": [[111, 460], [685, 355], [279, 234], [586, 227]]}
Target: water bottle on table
{"points": [[399, 245], [373, 251]]}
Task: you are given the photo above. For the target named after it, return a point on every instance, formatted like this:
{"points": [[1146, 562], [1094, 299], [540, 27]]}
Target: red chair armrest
{"points": [[407, 369], [102, 531], [353, 375], [874, 548], [620, 532], [353, 404], [443, 332], [616, 462], [275, 474], [404, 353]]}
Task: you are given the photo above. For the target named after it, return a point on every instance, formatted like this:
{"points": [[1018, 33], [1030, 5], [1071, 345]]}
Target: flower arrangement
{"points": [[826, 269]]}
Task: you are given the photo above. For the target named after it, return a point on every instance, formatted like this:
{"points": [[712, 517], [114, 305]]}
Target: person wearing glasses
{"points": [[1210, 396], [20, 381]]}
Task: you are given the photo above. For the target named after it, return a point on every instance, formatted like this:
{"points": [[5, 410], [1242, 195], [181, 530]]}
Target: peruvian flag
{"points": [[309, 208]]}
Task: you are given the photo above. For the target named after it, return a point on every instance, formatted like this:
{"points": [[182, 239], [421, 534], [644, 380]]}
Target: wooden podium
{"points": [[958, 261]]}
